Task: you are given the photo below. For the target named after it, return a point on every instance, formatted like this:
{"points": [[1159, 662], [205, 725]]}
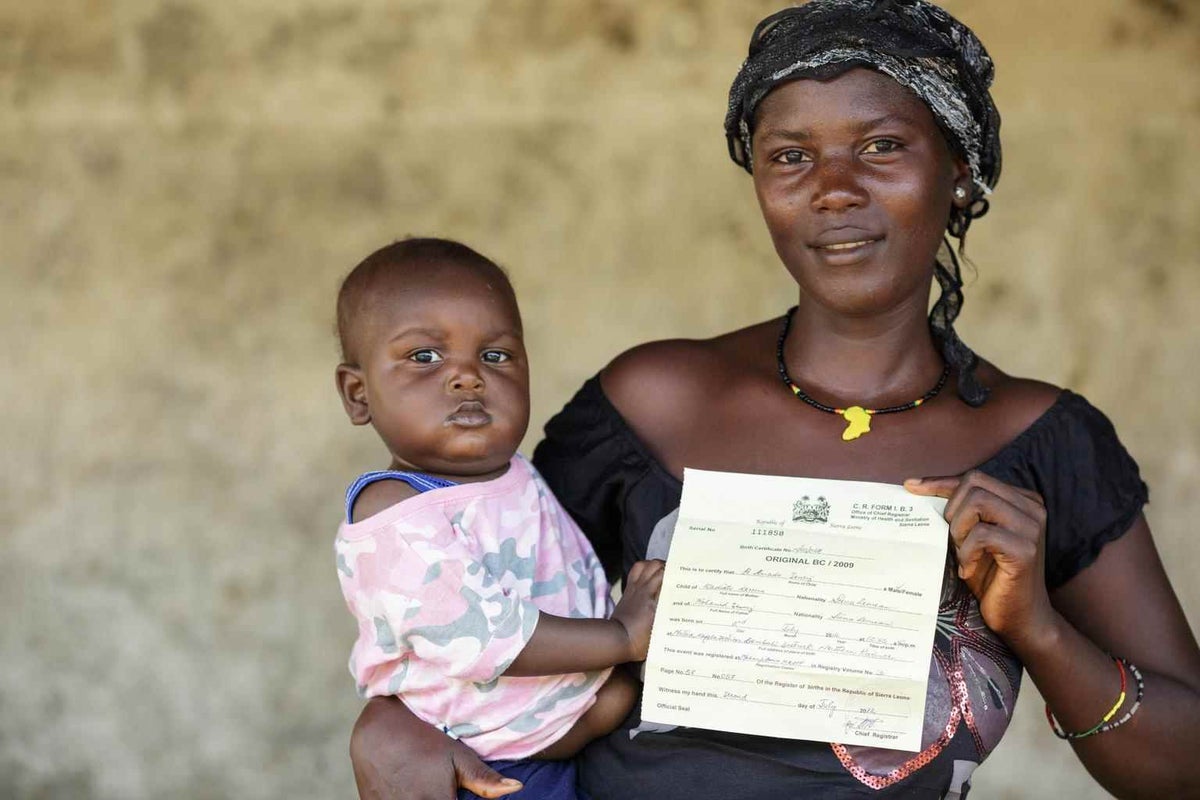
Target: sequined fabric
{"points": [[973, 682]]}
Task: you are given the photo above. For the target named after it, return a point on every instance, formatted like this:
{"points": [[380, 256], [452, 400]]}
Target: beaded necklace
{"points": [[858, 418]]}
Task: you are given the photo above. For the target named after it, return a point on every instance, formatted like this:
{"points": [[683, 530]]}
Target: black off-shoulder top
{"points": [[615, 489]]}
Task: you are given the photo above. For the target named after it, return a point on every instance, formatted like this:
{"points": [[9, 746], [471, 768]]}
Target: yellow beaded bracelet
{"points": [[1060, 733]]}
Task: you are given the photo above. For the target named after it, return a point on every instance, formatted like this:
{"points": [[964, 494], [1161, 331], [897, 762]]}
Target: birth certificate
{"points": [[798, 608]]}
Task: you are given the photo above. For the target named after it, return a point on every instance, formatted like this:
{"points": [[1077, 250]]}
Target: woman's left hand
{"points": [[999, 535]]}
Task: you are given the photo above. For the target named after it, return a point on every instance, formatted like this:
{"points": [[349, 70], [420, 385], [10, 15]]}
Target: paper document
{"points": [[798, 608]]}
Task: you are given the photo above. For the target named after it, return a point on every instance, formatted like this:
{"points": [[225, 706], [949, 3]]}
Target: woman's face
{"points": [[856, 184]]}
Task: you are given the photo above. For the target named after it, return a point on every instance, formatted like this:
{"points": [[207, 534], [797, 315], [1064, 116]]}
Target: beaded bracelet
{"points": [[1104, 724], [1137, 700]]}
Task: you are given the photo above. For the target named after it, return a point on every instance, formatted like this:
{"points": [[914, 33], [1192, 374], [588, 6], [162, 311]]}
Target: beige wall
{"points": [[183, 183]]}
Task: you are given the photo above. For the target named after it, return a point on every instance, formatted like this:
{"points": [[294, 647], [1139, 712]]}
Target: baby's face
{"points": [[446, 374]]}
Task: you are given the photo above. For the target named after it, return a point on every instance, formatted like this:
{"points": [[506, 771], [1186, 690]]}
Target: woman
{"points": [[869, 132]]}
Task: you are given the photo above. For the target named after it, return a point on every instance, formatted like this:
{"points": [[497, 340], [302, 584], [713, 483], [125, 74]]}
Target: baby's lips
{"points": [[469, 414]]}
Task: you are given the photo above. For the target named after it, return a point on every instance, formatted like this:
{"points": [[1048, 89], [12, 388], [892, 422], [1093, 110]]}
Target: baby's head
{"points": [[433, 357]]}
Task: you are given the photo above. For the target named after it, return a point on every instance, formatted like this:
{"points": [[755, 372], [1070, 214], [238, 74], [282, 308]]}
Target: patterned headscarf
{"points": [[916, 43], [921, 47]]}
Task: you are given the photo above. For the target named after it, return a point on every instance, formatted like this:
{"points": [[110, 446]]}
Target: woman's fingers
{"points": [[945, 485], [992, 524], [997, 532], [475, 776], [957, 488], [989, 546], [397, 757], [979, 506], [975, 482], [941, 486]]}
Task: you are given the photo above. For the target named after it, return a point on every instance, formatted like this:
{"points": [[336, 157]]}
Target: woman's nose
{"points": [[836, 186]]}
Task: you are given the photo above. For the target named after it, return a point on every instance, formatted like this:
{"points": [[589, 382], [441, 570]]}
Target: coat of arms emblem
{"points": [[808, 510]]}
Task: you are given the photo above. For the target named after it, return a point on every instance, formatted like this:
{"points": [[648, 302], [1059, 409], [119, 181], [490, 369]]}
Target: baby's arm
{"points": [[380, 495], [562, 644], [574, 644]]}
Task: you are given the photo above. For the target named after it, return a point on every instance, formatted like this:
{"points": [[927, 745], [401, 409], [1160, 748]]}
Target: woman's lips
{"points": [[846, 245], [843, 253], [470, 414]]}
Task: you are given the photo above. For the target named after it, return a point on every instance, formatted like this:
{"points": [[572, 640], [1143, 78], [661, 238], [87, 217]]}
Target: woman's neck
{"points": [[870, 361]]}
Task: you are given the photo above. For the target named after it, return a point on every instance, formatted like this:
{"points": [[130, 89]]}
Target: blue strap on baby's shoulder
{"points": [[417, 480]]}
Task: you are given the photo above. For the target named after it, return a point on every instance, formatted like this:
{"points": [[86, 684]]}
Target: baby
{"points": [[479, 601]]}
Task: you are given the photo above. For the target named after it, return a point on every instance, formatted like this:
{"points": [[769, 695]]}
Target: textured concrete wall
{"points": [[183, 183]]}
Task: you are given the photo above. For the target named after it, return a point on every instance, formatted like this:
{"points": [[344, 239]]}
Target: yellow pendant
{"points": [[859, 423]]}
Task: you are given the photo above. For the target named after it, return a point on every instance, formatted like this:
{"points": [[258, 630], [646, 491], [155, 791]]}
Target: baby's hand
{"points": [[635, 611]]}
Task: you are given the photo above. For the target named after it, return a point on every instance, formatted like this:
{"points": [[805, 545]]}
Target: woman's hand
{"points": [[1121, 603], [397, 756], [999, 535]]}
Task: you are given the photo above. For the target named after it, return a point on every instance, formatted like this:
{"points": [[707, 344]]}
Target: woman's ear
{"points": [[964, 186], [353, 391]]}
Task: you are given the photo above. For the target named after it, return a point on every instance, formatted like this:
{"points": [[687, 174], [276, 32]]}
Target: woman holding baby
{"points": [[870, 135]]}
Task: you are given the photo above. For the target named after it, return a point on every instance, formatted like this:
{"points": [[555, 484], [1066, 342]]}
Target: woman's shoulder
{"points": [[1016, 404], [656, 374], [1049, 428], [664, 385], [680, 365]]}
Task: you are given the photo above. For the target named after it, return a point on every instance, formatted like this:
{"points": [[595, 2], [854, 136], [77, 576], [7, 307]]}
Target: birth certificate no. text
{"points": [[798, 608]]}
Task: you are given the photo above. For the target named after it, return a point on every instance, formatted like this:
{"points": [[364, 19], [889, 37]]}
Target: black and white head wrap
{"points": [[924, 49]]}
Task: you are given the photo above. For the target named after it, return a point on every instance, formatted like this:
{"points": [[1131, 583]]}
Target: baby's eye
{"points": [[426, 356], [882, 147], [494, 356], [792, 157]]}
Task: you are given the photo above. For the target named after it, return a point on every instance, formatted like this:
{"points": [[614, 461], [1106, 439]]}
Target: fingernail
{"points": [[913, 482], [511, 782]]}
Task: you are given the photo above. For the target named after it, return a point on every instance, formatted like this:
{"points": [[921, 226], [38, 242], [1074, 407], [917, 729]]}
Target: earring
{"points": [[960, 193]]}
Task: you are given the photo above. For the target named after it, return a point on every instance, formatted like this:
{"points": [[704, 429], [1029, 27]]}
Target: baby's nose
{"points": [[466, 381]]}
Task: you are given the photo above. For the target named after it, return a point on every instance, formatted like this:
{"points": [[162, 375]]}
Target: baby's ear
{"points": [[353, 391]]}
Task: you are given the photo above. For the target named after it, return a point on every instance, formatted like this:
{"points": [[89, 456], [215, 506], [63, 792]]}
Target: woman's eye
{"points": [[792, 157], [495, 356], [882, 147], [426, 356]]}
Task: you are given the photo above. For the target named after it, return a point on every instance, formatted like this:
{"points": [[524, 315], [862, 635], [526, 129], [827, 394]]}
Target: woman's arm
{"points": [[1121, 604], [396, 756]]}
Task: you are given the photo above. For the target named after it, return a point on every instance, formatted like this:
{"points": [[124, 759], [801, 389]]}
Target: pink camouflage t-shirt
{"points": [[447, 587]]}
